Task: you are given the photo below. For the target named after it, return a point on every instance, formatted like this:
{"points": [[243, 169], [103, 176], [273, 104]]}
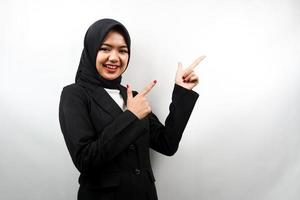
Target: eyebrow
{"points": [[123, 46]]}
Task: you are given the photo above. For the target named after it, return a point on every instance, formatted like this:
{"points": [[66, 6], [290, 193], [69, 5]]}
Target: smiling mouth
{"points": [[110, 66]]}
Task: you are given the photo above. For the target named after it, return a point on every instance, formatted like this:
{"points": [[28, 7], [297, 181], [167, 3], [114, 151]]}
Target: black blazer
{"points": [[110, 147]]}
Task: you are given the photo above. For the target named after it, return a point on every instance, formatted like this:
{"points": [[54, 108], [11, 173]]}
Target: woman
{"points": [[109, 129]]}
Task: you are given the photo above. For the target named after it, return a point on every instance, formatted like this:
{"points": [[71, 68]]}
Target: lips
{"points": [[110, 67]]}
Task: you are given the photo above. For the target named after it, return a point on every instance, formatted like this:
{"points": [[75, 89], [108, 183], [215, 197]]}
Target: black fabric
{"points": [[109, 146], [87, 74]]}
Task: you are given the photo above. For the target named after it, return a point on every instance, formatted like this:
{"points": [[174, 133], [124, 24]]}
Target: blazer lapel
{"points": [[106, 102], [123, 92]]}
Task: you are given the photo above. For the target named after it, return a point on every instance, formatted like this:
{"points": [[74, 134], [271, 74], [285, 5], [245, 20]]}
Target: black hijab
{"points": [[87, 74]]}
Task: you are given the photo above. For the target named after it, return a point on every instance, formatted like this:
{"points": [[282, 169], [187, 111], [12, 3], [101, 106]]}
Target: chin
{"points": [[111, 77]]}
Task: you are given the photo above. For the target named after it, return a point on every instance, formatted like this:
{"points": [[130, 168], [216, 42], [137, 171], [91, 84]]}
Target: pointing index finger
{"points": [[196, 62], [129, 92], [148, 88], [193, 65]]}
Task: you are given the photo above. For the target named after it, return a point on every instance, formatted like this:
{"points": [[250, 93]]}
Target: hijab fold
{"points": [[87, 74]]}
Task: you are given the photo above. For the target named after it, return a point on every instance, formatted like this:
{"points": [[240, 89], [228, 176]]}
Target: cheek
{"points": [[125, 60], [100, 58], [99, 62]]}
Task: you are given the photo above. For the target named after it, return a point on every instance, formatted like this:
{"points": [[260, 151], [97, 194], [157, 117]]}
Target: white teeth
{"points": [[111, 67]]}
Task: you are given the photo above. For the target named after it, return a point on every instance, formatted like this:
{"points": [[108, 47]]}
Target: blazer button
{"points": [[137, 171], [132, 147]]}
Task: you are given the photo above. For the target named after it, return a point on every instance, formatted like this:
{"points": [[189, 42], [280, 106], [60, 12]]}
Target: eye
{"points": [[123, 51], [105, 49]]}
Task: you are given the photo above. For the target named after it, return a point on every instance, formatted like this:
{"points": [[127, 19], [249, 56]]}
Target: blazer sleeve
{"points": [[165, 138], [88, 149]]}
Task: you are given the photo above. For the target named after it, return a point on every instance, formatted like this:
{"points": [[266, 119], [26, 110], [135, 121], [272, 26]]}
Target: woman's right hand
{"points": [[139, 105]]}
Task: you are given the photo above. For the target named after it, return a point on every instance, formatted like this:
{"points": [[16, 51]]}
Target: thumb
{"points": [[179, 70], [179, 66]]}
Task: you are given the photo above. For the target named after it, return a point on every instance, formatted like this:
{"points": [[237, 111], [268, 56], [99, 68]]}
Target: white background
{"points": [[242, 141]]}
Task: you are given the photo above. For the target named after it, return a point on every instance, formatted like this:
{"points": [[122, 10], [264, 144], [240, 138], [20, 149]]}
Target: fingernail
{"points": [[154, 81], [127, 86]]}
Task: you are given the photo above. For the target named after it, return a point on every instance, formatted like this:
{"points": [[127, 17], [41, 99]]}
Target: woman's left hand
{"points": [[187, 78]]}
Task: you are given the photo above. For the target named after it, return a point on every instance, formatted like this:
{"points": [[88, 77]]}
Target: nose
{"points": [[113, 57]]}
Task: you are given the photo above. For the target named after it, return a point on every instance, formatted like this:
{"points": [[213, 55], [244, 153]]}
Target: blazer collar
{"points": [[123, 92], [106, 102]]}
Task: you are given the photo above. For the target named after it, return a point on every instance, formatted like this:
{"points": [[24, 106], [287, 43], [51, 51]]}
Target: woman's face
{"points": [[112, 58]]}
